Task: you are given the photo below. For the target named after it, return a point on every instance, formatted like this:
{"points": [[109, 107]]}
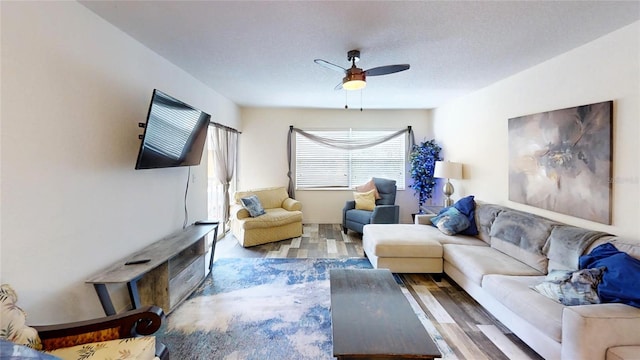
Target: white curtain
{"points": [[225, 144]]}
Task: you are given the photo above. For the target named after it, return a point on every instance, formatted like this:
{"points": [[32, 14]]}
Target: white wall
{"points": [[73, 91], [263, 157], [474, 128]]}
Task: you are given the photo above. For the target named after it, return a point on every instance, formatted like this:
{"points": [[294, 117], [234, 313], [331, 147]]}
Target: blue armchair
{"points": [[385, 212]]}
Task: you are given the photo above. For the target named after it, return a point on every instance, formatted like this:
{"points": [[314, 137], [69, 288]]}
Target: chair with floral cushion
{"points": [[374, 203], [126, 335]]}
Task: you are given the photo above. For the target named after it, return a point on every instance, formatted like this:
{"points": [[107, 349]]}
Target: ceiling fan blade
{"points": [[338, 87], [329, 65], [387, 69]]}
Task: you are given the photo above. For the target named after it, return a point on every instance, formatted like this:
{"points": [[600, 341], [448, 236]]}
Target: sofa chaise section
{"points": [[406, 248], [401, 248]]}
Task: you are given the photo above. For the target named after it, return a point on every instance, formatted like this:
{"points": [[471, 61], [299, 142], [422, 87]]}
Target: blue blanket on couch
{"points": [[621, 280]]}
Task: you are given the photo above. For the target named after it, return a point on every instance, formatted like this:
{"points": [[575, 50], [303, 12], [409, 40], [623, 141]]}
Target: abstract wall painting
{"points": [[561, 161]]}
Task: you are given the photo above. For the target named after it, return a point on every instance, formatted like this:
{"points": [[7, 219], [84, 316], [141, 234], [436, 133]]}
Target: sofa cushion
{"points": [[522, 236], [139, 348], [477, 261], [13, 320], [567, 243], [365, 200], [272, 218], [435, 234], [412, 232], [252, 204], [386, 190], [515, 294], [450, 221], [536, 261], [562, 264], [359, 216], [485, 216], [628, 246], [399, 240]]}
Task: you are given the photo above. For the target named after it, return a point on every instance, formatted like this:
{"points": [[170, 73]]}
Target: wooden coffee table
{"points": [[372, 319]]}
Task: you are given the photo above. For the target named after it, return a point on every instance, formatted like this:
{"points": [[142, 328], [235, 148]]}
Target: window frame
{"points": [[353, 180]]}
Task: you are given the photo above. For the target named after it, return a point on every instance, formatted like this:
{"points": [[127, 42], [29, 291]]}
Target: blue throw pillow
{"points": [[621, 279], [451, 221], [253, 205], [467, 206]]}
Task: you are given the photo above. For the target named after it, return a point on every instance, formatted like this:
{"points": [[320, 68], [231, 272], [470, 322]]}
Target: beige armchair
{"points": [[282, 218]]}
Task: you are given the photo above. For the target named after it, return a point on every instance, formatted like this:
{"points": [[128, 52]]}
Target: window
{"points": [[320, 166]]}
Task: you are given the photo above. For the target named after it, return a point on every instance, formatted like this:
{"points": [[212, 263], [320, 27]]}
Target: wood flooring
{"points": [[317, 241], [466, 330]]}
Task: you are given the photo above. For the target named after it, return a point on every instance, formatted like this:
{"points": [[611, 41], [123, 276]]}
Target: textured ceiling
{"points": [[261, 53]]}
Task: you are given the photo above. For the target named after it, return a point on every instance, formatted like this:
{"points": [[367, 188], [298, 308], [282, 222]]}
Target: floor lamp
{"points": [[448, 170]]}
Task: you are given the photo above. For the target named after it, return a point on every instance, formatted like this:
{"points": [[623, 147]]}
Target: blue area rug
{"points": [[262, 309]]}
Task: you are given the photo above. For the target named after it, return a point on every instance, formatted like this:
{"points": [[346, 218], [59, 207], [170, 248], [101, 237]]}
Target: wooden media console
{"points": [[163, 273]]}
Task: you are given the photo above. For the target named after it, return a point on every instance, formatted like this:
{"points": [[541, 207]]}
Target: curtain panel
{"points": [[338, 144], [225, 145]]}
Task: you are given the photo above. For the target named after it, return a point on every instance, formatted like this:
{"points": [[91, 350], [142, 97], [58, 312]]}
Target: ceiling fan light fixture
{"points": [[355, 77], [354, 81]]}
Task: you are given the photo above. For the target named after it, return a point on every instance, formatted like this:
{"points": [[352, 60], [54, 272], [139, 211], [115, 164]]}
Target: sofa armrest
{"points": [[238, 212], [589, 330], [385, 214], [138, 322], [423, 219], [348, 205], [291, 204]]}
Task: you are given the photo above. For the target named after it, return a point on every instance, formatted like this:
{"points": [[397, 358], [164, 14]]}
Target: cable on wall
{"points": [[186, 191]]}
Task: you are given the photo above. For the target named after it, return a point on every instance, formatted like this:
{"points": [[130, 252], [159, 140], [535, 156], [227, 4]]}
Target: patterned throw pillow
{"points": [[13, 321], [571, 287], [451, 221], [365, 200], [253, 205]]}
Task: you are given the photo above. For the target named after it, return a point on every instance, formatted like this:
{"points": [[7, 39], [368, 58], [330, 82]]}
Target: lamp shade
{"points": [[447, 170]]}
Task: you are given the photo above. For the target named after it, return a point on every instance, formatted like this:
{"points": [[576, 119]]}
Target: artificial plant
{"points": [[423, 159]]}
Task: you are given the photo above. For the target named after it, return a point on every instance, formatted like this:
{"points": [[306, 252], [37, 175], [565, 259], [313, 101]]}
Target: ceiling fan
{"points": [[355, 78]]}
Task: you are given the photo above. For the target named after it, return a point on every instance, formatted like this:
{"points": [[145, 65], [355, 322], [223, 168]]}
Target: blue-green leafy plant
{"points": [[423, 159]]}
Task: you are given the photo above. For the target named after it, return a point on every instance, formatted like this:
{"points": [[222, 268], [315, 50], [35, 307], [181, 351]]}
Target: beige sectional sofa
{"points": [[513, 251]]}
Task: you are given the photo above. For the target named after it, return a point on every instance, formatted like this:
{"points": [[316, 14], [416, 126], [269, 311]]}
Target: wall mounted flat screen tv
{"points": [[174, 134]]}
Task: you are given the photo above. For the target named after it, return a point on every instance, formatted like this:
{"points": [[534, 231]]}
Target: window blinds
{"points": [[320, 166]]}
